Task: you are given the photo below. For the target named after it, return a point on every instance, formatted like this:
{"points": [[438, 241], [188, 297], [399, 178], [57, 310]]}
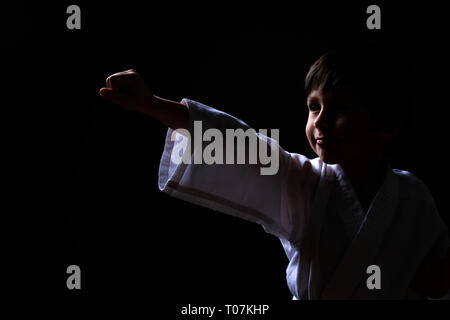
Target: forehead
{"points": [[343, 94]]}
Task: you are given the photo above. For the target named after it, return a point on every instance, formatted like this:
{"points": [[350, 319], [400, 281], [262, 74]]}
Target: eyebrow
{"points": [[312, 99]]}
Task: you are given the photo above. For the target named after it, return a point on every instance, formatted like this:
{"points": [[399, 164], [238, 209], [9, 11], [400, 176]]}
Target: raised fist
{"points": [[128, 89]]}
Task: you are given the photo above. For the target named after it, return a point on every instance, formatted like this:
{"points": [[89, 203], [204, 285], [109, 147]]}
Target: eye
{"points": [[314, 107]]}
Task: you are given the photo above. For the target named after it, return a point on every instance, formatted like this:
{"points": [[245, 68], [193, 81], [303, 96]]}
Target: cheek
{"points": [[309, 130], [352, 128], [356, 136]]}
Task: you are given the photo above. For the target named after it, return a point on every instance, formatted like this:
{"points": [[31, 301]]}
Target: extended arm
{"points": [[251, 191]]}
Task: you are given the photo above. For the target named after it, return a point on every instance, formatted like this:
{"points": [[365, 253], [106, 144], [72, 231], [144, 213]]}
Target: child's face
{"points": [[339, 127]]}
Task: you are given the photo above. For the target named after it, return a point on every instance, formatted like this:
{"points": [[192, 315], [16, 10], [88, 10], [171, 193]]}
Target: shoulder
{"points": [[411, 185], [406, 176], [316, 168], [300, 163], [416, 200]]}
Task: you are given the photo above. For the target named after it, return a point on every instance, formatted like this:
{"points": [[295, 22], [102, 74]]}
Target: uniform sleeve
{"points": [[240, 190]]}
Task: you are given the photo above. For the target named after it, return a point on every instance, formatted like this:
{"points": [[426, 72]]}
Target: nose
{"points": [[323, 119]]}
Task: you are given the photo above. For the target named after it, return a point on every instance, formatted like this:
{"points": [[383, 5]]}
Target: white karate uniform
{"points": [[311, 207]]}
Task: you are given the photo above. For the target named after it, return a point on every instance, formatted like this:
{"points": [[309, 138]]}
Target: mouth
{"points": [[322, 141]]}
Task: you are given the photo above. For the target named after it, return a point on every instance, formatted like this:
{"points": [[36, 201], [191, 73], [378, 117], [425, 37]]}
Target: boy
{"points": [[337, 215]]}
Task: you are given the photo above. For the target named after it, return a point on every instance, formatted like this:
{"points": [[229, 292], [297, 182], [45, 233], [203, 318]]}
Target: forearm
{"points": [[172, 114]]}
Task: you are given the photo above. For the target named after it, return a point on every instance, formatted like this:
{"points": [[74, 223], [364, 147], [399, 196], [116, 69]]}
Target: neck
{"points": [[366, 178]]}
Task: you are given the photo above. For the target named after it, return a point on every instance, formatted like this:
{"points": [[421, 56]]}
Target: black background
{"points": [[86, 170]]}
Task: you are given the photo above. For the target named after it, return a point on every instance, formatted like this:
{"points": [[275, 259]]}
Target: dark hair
{"points": [[378, 74]]}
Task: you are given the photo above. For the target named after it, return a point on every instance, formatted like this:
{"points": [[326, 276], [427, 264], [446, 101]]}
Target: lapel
{"points": [[351, 271], [310, 240]]}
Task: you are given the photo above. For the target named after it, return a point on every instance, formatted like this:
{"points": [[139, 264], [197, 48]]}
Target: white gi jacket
{"points": [[311, 207]]}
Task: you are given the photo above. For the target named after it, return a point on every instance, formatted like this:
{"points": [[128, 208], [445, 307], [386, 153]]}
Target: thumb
{"points": [[111, 96]]}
